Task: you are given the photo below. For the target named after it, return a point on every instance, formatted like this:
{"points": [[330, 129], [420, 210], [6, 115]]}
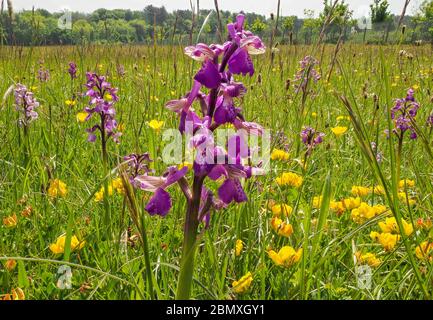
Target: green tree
{"points": [[81, 32], [258, 26], [380, 12], [424, 20]]}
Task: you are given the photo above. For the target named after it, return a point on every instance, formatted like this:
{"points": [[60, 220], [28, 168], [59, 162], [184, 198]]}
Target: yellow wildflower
{"points": [[406, 183], [390, 226], [82, 116], [16, 294], [11, 221], [314, 114], [289, 179], [156, 125], [57, 188], [341, 118], [108, 97], [360, 191], [239, 247], [339, 131], [337, 207], [368, 258], [351, 203], [387, 240], [379, 190], [118, 185], [278, 154], [282, 208], [10, 264], [59, 245], [27, 211], [286, 257], [317, 202], [406, 199], [424, 251], [281, 228], [121, 127], [243, 284], [99, 196], [70, 103], [365, 212]]}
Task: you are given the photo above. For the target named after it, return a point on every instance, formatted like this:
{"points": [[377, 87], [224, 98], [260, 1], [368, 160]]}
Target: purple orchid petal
{"points": [[91, 137], [241, 63], [231, 190], [159, 204], [149, 183], [209, 75], [174, 175], [217, 172]]}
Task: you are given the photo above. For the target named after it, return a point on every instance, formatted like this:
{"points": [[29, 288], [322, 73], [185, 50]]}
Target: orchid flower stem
{"points": [[189, 242], [107, 208]]}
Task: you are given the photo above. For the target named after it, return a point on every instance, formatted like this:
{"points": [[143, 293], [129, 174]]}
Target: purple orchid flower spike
{"points": [[403, 114], [102, 99], [26, 104], [72, 70], [217, 93]]}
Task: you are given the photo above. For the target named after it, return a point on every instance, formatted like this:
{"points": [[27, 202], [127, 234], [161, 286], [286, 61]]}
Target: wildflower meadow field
{"points": [[338, 206]]}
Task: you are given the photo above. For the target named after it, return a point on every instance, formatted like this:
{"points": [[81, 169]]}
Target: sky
{"points": [[265, 7]]}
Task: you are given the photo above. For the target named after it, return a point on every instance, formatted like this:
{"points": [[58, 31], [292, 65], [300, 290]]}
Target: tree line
{"points": [[41, 27]]}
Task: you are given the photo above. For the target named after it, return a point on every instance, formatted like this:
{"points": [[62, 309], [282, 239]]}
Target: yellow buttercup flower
{"points": [[387, 240], [278, 154], [289, 179], [281, 228], [59, 246], [314, 114], [57, 188], [11, 221], [367, 258], [243, 284], [424, 251], [339, 131], [284, 209], [108, 97], [70, 103], [239, 247], [286, 257], [156, 125], [360, 191], [82, 116]]}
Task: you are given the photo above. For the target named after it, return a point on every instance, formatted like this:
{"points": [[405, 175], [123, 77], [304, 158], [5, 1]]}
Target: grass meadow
{"points": [[340, 213]]}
